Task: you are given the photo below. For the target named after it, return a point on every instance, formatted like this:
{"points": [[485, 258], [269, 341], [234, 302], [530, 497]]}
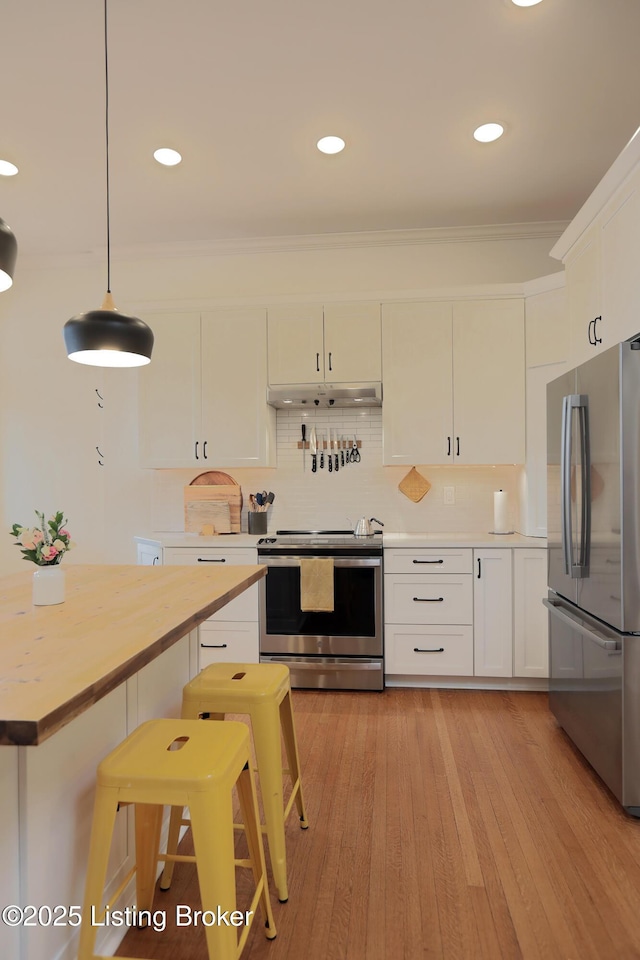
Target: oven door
{"points": [[353, 628]]}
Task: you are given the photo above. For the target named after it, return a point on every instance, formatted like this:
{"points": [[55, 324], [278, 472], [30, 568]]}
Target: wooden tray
{"points": [[212, 488]]}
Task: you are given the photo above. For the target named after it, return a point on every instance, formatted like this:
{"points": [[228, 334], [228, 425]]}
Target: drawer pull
{"points": [[214, 646], [427, 561], [428, 599], [211, 560], [428, 650]]}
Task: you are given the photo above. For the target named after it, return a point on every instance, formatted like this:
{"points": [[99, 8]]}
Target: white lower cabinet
{"points": [[232, 634], [428, 616], [480, 616], [492, 613]]}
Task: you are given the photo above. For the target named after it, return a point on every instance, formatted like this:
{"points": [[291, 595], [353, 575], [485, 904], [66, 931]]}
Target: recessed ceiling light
{"points": [[525, 3], [167, 157], [7, 169], [330, 144], [488, 132]]}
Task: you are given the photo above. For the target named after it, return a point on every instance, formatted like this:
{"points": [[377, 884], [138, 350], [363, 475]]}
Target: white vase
{"points": [[48, 585]]}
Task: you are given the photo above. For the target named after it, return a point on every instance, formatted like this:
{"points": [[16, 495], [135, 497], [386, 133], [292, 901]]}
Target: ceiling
{"points": [[244, 88]]}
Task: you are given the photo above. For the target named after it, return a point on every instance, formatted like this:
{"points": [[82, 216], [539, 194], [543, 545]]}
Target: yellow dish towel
{"points": [[316, 584]]}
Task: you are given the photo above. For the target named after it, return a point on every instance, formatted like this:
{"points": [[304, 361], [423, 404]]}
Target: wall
{"points": [[50, 422], [308, 501]]}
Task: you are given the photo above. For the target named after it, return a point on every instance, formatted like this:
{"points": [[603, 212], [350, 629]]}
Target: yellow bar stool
{"points": [[181, 763], [263, 691]]}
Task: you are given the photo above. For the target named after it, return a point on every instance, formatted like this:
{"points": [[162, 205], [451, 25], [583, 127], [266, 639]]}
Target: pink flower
{"points": [[38, 536], [49, 553], [63, 533]]}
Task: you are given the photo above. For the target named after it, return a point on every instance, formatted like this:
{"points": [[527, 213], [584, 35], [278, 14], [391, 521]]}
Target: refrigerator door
{"points": [[600, 591], [629, 559], [560, 542], [585, 688]]}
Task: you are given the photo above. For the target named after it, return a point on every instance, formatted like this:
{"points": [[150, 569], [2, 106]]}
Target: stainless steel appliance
{"points": [[342, 649], [593, 524]]}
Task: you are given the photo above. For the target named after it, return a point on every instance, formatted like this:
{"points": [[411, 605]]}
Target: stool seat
{"points": [[180, 763], [263, 691]]}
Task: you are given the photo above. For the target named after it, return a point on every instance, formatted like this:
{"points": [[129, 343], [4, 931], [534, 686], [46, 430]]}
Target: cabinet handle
{"points": [[448, 446], [596, 338], [154, 561], [330, 367], [590, 331], [428, 599], [479, 568], [211, 560], [197, 457], [428, 649], [213, 646], [204, 450], [317, 363], [457, 446], [427, 561]]}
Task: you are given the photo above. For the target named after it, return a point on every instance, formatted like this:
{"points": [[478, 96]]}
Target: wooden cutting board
{"points": [[205, 499]]}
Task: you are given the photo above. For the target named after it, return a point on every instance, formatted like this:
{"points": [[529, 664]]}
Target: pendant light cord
{"points": [[106, 123]]}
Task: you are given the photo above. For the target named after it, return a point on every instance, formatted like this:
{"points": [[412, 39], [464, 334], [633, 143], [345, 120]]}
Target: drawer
{"points": [[428, 598], [228, 643], [429, 651], [208, 556], [403, 560]]}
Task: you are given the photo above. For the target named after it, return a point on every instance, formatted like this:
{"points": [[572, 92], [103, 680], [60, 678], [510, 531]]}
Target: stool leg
{"points": [[250, 818], [212, 828], [265, 724], [148, 825], [175, 821], [104, 816], [291, 747]]}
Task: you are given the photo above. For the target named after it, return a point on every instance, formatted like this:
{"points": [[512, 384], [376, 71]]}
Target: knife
{"points": [[313, 446], [330, 463], [321, 454], [304, 437], [337, 455], [342, 451]]}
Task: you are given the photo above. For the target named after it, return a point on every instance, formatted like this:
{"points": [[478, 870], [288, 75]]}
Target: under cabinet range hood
{"points": [[325, 395]]}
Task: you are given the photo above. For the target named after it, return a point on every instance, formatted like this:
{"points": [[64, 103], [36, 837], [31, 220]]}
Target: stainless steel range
{"points": [[335, 649]]}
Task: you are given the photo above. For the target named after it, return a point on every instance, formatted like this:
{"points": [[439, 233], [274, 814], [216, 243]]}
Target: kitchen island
{"points": [[75, 680]]}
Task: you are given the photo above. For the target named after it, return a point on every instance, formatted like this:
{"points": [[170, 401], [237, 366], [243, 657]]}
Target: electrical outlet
{"points": [[449, 495]]}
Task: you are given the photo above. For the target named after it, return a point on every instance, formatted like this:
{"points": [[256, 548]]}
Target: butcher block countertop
{"points": [[57, 661]]}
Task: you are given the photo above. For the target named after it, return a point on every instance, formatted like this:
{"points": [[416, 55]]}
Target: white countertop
{"points": [[479, 539]]}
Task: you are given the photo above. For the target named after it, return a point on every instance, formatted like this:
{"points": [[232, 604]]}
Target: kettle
{"points": [[364, 528]]}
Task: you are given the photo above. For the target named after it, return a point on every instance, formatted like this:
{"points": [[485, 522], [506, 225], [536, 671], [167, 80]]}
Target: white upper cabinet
{"points": [[584, 299], [619, 245], [454, 382], [488, 381], [417, 409], [339, 343], [203, 396]]}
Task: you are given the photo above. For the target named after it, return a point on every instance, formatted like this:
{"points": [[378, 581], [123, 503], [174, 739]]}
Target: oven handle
{"points": [[337, 561]]}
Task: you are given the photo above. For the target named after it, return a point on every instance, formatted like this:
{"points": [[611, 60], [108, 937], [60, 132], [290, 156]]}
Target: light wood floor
{"points": [[443, 824]]}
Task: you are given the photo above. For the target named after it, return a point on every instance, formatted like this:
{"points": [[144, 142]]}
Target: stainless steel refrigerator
{"points": [[593, 530]]}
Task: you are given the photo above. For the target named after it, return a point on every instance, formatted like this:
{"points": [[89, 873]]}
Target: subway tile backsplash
{"points": [[304, 500]]}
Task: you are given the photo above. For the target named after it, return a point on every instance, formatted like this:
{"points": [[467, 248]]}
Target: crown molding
{"points": [[547, 230], [552, 281]]}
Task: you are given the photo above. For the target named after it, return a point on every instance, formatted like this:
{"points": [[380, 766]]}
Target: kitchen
{"points": [[77, 445]]}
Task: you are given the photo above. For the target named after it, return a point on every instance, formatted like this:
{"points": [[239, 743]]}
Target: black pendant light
{"points": [[105, 337], [8, 254]]}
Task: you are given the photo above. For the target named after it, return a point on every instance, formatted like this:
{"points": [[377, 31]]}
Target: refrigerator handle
{"points": [[585, 455], [580, 402], [565, 486], [555, 608]]}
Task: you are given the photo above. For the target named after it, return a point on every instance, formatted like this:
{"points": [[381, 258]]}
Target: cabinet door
{"points": [[352, 342], [530, 619], [488, 381], [149, 554], [584, 301], [620, 242], [417, 418], [296, 344], [492, 613], [169, 394], [238, 426]]}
